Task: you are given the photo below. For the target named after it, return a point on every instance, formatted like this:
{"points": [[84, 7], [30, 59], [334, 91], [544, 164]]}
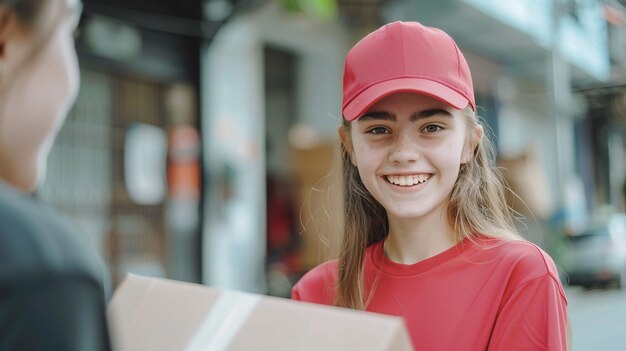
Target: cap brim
{"points": [[362, 102]]}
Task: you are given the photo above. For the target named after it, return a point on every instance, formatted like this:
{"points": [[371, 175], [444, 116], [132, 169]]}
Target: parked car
{"points": [[597, 255]]}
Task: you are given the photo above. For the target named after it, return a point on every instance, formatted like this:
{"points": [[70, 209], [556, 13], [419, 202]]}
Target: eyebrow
{"points": [[386, 116]]}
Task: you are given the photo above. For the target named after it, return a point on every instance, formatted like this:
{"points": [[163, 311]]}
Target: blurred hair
{"points": [[476, 206], [28, 12]]}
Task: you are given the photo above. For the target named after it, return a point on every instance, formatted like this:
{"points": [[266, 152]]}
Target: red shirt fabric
{"points": [[494, 295]]}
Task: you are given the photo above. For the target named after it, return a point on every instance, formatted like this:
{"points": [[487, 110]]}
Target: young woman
{"points": [[51, 286], [427, 233]]}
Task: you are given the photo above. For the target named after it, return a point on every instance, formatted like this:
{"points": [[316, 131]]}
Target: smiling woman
{"points": [[52, 294], [427, 234]]}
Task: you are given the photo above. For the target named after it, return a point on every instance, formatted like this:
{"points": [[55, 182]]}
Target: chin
{"points": [[413, 212], [27, 179], [25, 185], [407, 215]]}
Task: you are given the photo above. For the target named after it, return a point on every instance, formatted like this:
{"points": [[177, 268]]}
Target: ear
{"points": [[346, 142], [8, 20], [475, 138]]}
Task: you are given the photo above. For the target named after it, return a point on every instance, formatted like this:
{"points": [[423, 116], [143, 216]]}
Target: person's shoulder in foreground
{"points": [[49, 281]]}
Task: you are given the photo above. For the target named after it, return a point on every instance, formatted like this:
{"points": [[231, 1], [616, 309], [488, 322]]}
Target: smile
{"points": [[407, 180]]}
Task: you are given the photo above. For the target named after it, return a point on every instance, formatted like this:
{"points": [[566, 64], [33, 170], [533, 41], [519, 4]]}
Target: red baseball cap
{"points": [[405, 57]]}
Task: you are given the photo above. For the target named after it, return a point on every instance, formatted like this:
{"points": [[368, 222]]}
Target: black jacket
{"points": [[52, 294]]}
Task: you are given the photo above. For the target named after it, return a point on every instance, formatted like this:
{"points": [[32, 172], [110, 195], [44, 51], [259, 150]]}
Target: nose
{"points": [[404, 149]]}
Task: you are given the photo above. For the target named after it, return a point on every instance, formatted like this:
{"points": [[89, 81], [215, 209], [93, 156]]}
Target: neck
{"points": [[413, 240]]}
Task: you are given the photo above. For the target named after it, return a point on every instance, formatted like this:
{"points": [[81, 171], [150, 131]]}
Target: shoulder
{"points": [[527, 258], [318, 285], [523, 262], [34, 240]]}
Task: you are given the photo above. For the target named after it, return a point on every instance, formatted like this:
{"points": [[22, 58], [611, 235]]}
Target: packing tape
{"points": [[227, 316]]}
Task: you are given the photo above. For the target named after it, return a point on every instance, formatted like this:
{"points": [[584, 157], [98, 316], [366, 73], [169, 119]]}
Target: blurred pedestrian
{"points": [[52, 294], [427, 232]]}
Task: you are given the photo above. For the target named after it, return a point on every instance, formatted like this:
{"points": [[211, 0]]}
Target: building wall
{"points": [[234, 130]]}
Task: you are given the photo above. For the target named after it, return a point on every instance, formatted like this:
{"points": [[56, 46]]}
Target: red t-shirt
{"points": [[501, 295]]}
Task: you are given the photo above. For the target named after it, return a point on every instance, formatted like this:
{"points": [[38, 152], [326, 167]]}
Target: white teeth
{"points": [[408, 180]]}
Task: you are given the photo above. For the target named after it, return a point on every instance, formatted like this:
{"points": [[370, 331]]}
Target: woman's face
{"points": [[408, 149], [38, 87]]}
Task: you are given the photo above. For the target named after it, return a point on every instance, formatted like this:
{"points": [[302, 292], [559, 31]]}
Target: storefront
{"points": [[126, 164]]}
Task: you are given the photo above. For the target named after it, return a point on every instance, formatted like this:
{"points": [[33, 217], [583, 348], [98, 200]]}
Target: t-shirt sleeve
{"points": [[295, 293], [64, 314], [317, 285], [533, 318]]}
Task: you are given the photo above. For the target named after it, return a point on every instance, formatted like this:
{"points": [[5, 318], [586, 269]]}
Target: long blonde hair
{"points": [[476, 206]]}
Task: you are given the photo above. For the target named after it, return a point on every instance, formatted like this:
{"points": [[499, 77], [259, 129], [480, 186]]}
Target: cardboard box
{"points": [[158, 314]]}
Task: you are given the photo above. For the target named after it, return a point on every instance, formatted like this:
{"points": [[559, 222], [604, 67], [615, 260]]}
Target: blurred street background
{"points": [[201, 143], [597, 318]]}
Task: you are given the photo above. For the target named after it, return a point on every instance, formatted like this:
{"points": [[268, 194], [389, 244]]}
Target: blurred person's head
{"points": [[38, 83]]}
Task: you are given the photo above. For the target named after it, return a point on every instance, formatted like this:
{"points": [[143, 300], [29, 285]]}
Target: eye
{"points": [[432, 128], [378, 130]]}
